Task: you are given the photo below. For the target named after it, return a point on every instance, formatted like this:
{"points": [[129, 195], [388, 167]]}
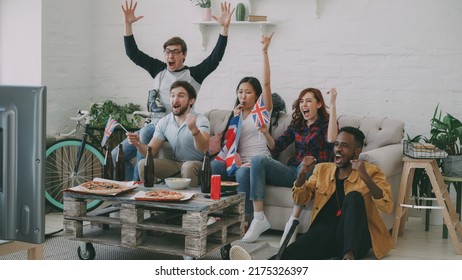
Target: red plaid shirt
{"points": [[309, 141]]}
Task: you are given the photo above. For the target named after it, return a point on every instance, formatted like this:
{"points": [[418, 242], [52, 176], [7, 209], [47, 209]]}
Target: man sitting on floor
{"points": [[348, 194]]}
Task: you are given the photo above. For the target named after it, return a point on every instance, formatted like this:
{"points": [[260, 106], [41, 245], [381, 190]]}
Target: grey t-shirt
{"points": [[180, 137]]}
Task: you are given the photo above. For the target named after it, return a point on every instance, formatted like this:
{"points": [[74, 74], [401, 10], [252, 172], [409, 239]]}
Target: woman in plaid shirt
{"points": [[313, 131]]}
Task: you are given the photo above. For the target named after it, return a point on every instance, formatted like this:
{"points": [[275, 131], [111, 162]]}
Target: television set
{"points": [[22, 163]]}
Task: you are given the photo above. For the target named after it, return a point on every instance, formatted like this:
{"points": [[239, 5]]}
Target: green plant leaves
{"points": [[100, 113]]}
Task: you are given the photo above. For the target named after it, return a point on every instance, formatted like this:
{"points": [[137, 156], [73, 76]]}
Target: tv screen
{"points": [[22, 163]]}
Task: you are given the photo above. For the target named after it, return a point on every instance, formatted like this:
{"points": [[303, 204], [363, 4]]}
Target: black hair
{"points": [[358, 135]]}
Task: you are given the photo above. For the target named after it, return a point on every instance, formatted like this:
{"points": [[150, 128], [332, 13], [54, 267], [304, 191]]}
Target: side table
{"points": [[457, 183], [440, 190], [34, 251]]}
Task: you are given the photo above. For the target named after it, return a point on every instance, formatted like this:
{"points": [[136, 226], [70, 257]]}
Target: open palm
{"points": [[226, 13], [129, 12]]}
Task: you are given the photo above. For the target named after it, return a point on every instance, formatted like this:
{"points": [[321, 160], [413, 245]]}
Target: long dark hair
{"points": [[297, 117], [255, 83]]}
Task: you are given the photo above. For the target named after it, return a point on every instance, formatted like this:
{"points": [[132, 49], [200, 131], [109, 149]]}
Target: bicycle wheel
{"points": [[59, 171]]}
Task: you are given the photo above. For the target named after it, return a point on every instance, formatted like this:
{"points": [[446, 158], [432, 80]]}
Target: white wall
{"points": [[388, 58], [20, 42], [68, 60]]}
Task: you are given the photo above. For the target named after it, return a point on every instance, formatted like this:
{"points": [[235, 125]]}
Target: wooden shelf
{"points": [[263, 25]]}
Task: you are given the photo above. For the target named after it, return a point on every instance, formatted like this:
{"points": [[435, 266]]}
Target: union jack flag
{"points": [[227, 153], [110, 126], [259, 113]]}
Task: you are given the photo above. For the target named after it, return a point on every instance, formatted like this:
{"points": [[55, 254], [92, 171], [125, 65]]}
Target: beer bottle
{"points": [[108, 164], [120, 165], [205, 173], [149, 169]]}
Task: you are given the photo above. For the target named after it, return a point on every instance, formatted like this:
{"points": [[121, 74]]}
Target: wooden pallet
{"points": [[174, 228]]}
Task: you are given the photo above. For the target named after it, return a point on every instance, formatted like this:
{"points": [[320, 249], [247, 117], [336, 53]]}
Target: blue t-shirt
{"points": [[180, 137]]}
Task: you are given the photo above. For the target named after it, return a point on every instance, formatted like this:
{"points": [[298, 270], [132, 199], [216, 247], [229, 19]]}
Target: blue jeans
{"points": [[130, 151], [268, 171], [242, 177]]}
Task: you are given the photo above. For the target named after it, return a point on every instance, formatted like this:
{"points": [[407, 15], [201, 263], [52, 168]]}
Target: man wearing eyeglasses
{"points": [[166, 72]]}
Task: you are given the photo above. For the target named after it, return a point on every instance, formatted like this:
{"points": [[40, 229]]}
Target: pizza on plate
{"points": [[164, 195], [98, 187], [229, 184]]}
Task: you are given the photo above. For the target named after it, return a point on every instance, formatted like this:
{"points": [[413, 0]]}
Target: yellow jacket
{"points": [[321, 185]]}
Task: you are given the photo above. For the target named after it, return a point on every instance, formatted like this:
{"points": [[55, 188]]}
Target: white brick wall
{"points": [[394, 58]]}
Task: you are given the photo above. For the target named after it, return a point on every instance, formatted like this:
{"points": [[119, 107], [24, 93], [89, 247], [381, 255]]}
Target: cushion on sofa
{"points": [[379, 131]]}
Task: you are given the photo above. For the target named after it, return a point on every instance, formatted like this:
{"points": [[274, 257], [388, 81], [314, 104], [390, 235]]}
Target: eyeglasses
{"points": [[173, 52]]}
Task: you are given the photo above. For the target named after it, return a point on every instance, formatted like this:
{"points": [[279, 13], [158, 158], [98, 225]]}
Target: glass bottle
{"points": [[205, 173], [149, 169], [120, 165], [108, 164]]}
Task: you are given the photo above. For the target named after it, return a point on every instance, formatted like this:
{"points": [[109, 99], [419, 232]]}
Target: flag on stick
{"points": [[227, 153], [110, 126], [259, 113]]}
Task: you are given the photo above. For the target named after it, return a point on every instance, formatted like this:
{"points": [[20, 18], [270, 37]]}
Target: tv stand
{"points": [[34, 251]]}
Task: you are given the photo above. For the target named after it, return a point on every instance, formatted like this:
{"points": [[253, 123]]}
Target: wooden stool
{"points": [[440, 190], [457, 183]]}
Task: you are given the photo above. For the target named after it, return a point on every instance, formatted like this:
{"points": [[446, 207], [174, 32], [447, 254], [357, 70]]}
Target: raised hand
{"points": [[226, 13], [191, 122], [333, 97], [266, 41], [307, 163], [129, 12], [359, 166]]}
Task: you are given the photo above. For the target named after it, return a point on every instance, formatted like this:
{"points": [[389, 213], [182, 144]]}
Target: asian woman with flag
{"points": [[242, 141]]}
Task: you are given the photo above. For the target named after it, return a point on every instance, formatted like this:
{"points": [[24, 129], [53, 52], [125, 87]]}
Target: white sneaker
{"points": [[286, 231], [256, 228], [238, 253]]}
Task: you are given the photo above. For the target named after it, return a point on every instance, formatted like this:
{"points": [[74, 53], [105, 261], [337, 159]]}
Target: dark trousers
{"points": [[326, 240]]}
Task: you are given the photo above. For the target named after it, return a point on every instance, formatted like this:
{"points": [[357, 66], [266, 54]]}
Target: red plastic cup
{"points": [[215, 187]]}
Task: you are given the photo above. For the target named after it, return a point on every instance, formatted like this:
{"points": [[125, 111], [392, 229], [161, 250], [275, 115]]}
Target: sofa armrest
{"points": [[388, 158]]}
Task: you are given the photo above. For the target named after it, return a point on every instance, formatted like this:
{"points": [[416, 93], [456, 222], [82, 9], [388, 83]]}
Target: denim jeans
{"points": [[130, 151], [268, 171], [242, 177]]}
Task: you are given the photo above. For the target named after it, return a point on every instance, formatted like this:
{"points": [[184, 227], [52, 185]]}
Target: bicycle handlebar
{"points": [[143, 114], [82, 115]]}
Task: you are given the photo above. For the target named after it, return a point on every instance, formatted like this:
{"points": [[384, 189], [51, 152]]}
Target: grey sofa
{"points": [[383, 147]]}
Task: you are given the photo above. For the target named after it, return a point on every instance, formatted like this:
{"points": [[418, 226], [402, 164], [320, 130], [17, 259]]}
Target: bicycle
{"points": [[70, 162]]}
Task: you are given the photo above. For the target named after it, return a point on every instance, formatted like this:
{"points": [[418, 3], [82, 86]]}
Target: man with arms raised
{"points": [[165, 72]]}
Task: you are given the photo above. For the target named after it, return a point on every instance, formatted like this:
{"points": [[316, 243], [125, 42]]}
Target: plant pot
{"points": [[452, 166], [206, 14]]}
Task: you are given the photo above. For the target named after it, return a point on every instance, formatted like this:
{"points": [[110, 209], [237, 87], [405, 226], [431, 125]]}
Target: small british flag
{"points": [[110, 126], [259, 113]]}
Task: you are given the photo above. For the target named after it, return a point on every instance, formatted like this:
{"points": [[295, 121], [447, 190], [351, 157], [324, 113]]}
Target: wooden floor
{"points": [[415, 244]]}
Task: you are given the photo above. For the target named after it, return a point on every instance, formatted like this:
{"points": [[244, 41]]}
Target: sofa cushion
{"points": [[379, 131]]}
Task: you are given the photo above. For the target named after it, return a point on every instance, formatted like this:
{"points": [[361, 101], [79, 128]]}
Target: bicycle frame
{"points": [[82, 146]]}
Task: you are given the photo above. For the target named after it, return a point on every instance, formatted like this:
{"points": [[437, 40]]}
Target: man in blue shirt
{"points": [[187, 132]]}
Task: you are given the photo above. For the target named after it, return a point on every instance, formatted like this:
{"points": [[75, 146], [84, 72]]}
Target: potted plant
{"points": [[206, 6], [100, 113], [446, 134], [202, 3]]}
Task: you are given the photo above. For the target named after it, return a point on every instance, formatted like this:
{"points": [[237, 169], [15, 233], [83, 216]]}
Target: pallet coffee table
{"points": [[173, 228]]}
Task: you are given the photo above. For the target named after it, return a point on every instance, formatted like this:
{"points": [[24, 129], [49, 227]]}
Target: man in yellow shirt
{"points": [[348, 195]]}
